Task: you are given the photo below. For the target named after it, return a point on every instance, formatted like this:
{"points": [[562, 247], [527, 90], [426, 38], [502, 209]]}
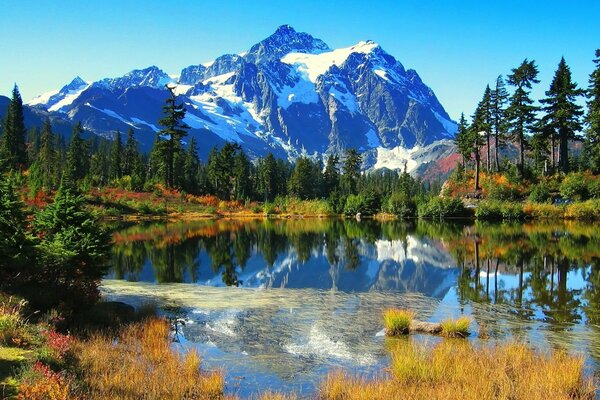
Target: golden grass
{"points": [[456, 328], [140, 364], [454, 370], [397, 322]]}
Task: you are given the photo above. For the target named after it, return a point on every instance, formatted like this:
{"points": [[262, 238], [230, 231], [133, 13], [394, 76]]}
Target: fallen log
{"points": [[425, 327]]}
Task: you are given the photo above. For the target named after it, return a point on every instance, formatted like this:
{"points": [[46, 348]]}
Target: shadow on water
{"points": [[280, 302]]}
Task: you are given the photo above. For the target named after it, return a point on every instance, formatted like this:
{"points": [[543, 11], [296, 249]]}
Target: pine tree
{"points": [[267, 177], [331, 175], [241, 176], [78, 157], [486, 123], [499, 98], [351, 169], [478, 131], [45, 167], [12, 142], [463, 140], [521, 111], [15, 244], [563, 114], [130, 154], [116, 158], [174, 130], [593, 117], [302, 181], [190, 168]]}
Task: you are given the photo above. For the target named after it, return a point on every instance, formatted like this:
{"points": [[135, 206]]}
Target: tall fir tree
{"points": [[563, 114], [44, 170], [331, 175], [521, 112], [486, 123], [78, 157], [12, 142], [130, 154], [174, 129], [351, 169], [463, 140], [593, 117], [191, 168], [267, 177], [116, 158], [478, 133], [499, 99]]}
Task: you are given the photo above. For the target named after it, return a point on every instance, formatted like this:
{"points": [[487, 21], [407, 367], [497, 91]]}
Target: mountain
{"points": [[289, 94]]}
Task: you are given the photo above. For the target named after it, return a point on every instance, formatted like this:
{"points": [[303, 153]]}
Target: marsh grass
{"points": [[397, 322], [456, 328], [140, 364], [458, 370]]}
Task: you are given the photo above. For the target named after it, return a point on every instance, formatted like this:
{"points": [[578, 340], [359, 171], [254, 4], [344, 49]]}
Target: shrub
{"points": [[367, 203], [499, 210], [543, 210], [397, 322], [507, 192], [41, 383], [442, 207], [594, 188], [587, 210], [401, 205], [456, 328], [574, 187], [540, 193]]}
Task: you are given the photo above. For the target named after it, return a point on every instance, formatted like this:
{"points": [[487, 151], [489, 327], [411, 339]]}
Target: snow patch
{"points": [[43, 98], [396, 157], [373, 139], [68, 99], [450, 126]]}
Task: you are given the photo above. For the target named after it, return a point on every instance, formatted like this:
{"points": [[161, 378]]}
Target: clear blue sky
{"points": [[456, 46]]}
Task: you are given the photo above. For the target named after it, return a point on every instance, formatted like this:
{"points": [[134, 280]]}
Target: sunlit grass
{"points": [[397, 322], [458, 370], [140, 363], [456, 328]]}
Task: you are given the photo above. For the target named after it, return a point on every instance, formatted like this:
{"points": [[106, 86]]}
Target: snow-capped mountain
{"points": [[289, 94]]}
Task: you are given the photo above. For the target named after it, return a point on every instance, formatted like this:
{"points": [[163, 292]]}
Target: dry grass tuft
{"points": [[140, 363], [456, 328], [397, 322], [453, 370]]}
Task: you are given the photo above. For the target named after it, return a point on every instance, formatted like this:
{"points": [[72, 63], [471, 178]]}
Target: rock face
{"points": [[289, 94]]}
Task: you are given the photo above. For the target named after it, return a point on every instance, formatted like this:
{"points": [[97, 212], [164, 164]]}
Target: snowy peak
{"points": [[76, 84], [151, 76], [285, 40]]}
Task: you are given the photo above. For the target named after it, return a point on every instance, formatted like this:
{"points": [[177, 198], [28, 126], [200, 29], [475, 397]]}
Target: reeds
{"points": [[456, 328], [458, 370], [397, 322]]}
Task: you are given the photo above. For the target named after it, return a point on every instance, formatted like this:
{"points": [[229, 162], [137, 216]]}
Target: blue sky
{"points": [[456, 46]]}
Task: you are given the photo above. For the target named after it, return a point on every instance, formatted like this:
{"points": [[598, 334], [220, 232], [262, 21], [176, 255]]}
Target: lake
{"points": [[277, 304]]}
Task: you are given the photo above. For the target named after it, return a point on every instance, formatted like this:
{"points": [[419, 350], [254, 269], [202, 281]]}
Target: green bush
{"points": [[365, 203], [401, 205], [502, 192], [594, 188], [574, 187], [442, 207], [499, 210], [587, 210], [540, 193]]}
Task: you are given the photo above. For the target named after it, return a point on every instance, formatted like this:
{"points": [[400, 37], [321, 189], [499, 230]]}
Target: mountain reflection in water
{"points": [[281, 302]]}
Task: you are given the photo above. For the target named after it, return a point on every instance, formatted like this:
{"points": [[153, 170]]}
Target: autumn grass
{"points": [[397, 322], [140, 364], [458, 370], [456, 328]]}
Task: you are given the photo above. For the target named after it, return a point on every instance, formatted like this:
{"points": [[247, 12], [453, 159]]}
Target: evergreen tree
{"points": [[78, 157], [331, 176], [478, 131], [241, 176], [44, 171], [130, 154], [191, 168], [593, 117], [12, 142], [267, 177], [563, 114], [302, 181], [463, 140], [521, 111], [116, 158], [486, 124], [351, 169], [499, 98], [15, 244], [174, 130]]}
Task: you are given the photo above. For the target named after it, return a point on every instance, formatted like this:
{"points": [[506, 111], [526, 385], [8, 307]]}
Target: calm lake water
{"points": [[277, 304]]}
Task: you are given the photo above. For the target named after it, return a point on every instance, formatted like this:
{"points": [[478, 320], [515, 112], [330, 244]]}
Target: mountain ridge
{"points": [[289, 94]]}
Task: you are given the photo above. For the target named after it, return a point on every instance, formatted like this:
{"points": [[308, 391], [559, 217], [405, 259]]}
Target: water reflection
{"points": [[536, 282]]}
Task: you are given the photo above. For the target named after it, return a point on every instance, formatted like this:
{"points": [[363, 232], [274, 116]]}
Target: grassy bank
{"points": [[137, 361]]}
